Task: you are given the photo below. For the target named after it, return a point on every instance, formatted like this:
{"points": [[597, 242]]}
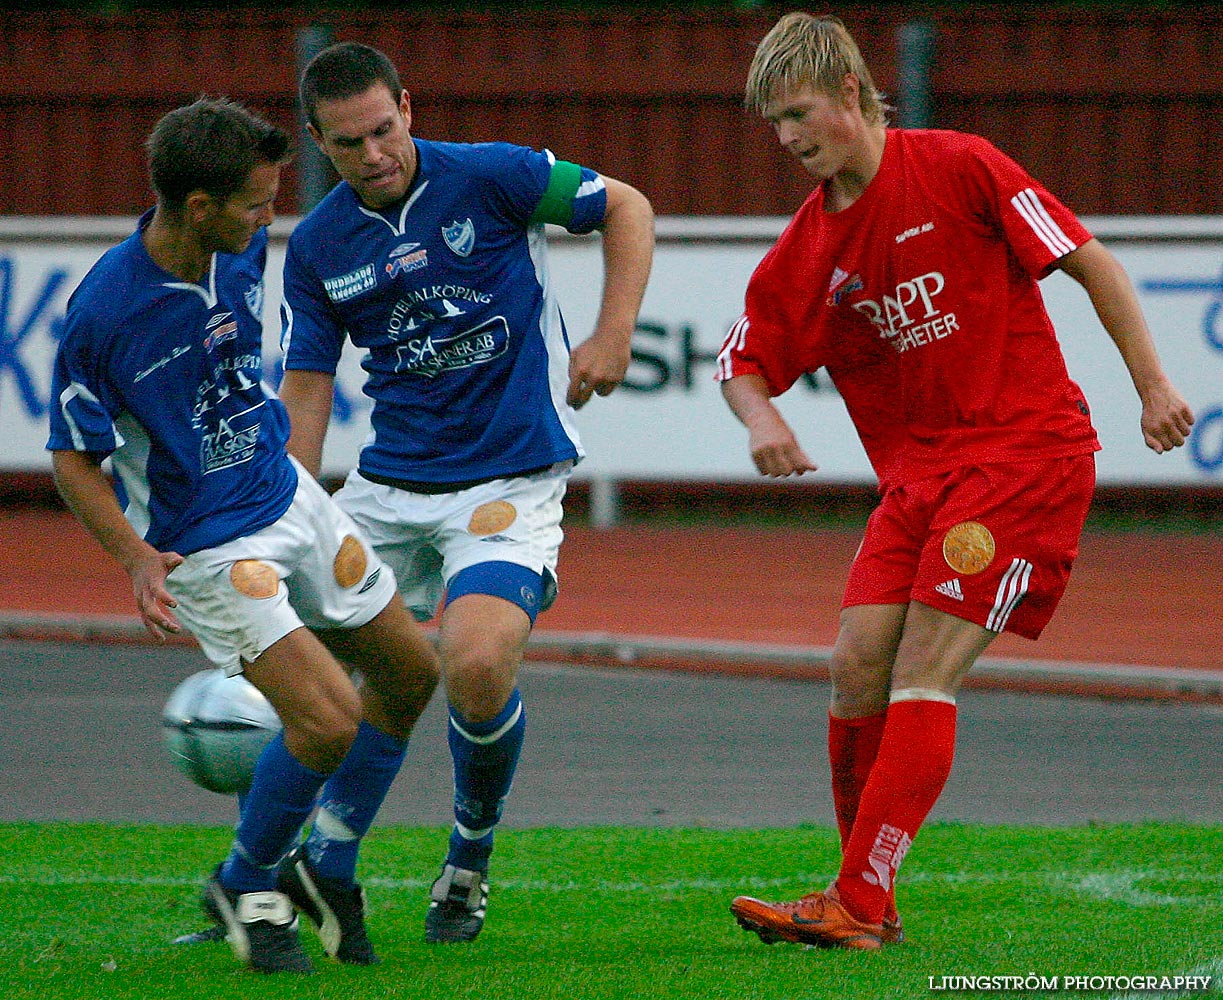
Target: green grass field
{"points": [[89, 911]]}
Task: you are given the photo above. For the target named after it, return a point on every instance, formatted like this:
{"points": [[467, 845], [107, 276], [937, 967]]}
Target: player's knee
{"points": [[850, 701], [859, 685], [478, 683], [395, 658], [401, 694], [321, 736]]}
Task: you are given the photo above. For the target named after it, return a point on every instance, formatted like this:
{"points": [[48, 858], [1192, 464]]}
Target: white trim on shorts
{"points": [[427, 539]]}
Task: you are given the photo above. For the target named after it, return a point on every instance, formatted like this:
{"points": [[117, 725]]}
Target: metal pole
{"points": [[914, 63], [313, 171], [604, 502]]}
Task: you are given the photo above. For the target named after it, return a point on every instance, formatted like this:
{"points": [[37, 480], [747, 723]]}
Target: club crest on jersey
{"points": [[254, 300], [460, 237], [221, 328], [842, 284], [406, 257]]}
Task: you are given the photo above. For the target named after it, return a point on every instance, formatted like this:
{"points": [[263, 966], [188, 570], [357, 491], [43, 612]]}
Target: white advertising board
{"points": [[668, 421]]}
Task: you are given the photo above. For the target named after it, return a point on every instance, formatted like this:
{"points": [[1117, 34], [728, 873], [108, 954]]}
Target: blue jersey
{"points": [[166, 377], [448, 292]]}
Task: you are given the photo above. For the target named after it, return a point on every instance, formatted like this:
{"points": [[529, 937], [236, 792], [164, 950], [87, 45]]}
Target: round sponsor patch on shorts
{"points": [[489, 518], [350, 562], [968, 547], [253, 578]]}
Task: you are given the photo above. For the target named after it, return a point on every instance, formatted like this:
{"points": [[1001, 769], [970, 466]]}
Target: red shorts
{"points": [[991, 544]]}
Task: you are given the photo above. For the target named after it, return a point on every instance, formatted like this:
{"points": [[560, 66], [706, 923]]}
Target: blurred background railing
{"points": [[1115, 109]]}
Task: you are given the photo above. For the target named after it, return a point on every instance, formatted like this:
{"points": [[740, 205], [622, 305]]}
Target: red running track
{"points": [[1150, 599]]}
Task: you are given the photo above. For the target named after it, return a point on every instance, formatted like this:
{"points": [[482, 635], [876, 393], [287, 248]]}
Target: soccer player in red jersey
{"points": [[910, 274]]}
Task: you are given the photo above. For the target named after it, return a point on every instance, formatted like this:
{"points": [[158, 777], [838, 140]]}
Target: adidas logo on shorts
{"points": [[951, 589]]}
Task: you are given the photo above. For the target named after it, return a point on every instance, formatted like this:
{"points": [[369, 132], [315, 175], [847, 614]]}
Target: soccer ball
{"points": [[216, 727]]}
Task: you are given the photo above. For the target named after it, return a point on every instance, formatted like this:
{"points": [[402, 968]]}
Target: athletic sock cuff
{"points": [[480, 732], [379, 740], [921, 694]]}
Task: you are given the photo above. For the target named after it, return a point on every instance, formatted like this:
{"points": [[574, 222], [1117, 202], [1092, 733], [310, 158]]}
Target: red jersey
{"points": [[921, 301]]}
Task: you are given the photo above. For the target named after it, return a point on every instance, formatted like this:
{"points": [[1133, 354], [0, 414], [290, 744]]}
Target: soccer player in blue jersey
{"points": [[161, 369], [431, 256]]}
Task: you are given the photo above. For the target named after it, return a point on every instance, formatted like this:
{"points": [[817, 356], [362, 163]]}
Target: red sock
{"points": [[912, 766], [852, 746]]}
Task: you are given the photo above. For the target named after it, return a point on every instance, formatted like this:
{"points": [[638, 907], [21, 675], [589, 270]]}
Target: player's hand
{"points": [[152, 599], [596, 367], [775, 450], [1166, 418]]}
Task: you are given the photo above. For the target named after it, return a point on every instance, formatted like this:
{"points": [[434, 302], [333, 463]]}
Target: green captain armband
{"points": [[556, 206]]}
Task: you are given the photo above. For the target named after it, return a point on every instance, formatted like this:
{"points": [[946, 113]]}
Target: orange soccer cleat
{"points": [[893, 929], [817, 919]]}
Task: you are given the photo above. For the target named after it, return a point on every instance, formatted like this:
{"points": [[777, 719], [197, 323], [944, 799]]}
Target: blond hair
{"points": [[804, 50]]}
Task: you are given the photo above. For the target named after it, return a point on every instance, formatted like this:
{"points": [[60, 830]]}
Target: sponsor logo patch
{"points": [[431, 356], [841, 285], [232, 442], [911, 316], [406, 257], [968, 547], [350, 562], [178, 352], [254, 578], [346, 286], [925, 227], [490, 518]]}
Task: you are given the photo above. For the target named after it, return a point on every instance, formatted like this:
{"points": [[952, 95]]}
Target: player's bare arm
{"points": [[88, 494], [597, 366], [308, 397], [774, 448], [1166, 417]]}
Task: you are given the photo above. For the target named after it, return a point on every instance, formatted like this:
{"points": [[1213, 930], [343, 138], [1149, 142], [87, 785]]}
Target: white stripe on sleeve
{"points": [[734, 342], [1028, 204]]}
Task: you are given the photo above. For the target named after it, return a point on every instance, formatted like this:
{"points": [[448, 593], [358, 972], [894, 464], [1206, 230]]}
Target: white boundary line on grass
{"points": [[1123, 887], [1116, 887]]}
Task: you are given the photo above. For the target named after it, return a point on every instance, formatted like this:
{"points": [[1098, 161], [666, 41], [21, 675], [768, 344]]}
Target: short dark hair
{"points": [[211, 145], [342, 71]]}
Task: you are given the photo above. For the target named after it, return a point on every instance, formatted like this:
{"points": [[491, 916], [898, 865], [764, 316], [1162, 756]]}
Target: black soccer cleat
{"points": [[260, 927], [206, 936], [335, 907], [458, 902]]}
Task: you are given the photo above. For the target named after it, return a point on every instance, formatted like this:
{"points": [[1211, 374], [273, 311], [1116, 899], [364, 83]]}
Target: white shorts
{"points": [[427, 539], [312, 567]]}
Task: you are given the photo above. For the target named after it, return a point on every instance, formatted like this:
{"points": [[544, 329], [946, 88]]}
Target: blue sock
{"points": [[281, 796], [351, 798], [485, 757]]}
